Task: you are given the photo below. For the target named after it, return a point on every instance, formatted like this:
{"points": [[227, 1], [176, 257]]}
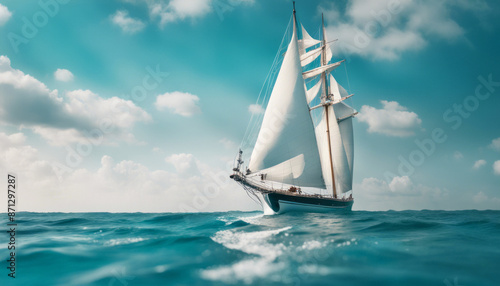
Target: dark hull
{"points": [[280, 203]]}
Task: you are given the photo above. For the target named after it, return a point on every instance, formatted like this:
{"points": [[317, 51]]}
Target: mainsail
{"points": [[285, 147], [290, 148]]}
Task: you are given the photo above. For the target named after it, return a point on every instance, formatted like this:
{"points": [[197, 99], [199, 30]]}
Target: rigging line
{"points": [[253, 199], [276, 59], [347, 76]]}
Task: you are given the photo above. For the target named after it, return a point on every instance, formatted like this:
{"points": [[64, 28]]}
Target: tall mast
{"points": [[294, 18], [324, 98]]}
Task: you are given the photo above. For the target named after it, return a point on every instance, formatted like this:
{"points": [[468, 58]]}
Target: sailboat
{"points": [[302, 157]]}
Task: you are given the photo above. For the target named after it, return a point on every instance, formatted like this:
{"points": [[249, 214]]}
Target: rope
{"points": [[270, 78]]}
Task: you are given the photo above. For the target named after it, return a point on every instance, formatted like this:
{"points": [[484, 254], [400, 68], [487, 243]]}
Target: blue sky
{"points": [[175, 80]]}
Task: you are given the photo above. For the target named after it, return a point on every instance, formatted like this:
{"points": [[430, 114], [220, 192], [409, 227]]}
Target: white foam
{"points": [[313, 244], [113, 242], [246, 270], [248, 219], [161, 268], [251, 242], [315, 269], [255, 243], [256, 220]]}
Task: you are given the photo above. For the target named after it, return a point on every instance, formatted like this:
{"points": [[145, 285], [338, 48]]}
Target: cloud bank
{"points": [[392, 120], [384, 29]]}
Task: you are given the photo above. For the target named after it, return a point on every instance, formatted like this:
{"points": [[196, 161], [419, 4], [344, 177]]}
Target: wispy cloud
{"points": [[392, 120], [458, 155], [399, 186], [479, 163], [255, 109], [126, 23], [5, 14], [181, 103], [228, 144], [496, 167], [495, 144], [63, 75], [179, 10]]}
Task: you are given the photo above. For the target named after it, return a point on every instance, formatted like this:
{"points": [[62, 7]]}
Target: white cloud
{"points": [[458, 155], [28, 103], [19, 80], [401, 185], [181, 103], [59, 137], [124, 113], [228, 144], [126, 23], [179, 10], [392, 120], [486, 202], [7, 141], [63, 75], [397, 187], [255, 109], [183, 163], [495, 144], [399, 194], [131, 186], [496, 167], [384, 29], [480, 197], [479, 163], [5, 14]]}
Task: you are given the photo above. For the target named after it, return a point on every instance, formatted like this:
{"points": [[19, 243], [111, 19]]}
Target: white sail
{"points": [[313, 91], [343, 110], [337, 90], [285, 150], [310, 56], [306, 42], [320, 70], [341, 166]]}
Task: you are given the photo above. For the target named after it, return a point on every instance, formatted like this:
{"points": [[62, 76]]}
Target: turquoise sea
{"points": [[448, 248]]}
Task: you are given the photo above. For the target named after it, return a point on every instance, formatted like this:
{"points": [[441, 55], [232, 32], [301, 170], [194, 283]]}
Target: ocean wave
{"points": [[363, 248]]}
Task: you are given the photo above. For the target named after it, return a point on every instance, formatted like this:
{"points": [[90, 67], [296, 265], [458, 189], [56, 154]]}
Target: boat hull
{"points": [[281, 203]]}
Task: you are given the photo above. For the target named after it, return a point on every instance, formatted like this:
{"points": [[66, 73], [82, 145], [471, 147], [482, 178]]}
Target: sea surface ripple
{"points": [[447, 248]]}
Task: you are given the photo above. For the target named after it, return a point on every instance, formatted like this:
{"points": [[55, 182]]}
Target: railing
{"points": [[264, 188]]}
